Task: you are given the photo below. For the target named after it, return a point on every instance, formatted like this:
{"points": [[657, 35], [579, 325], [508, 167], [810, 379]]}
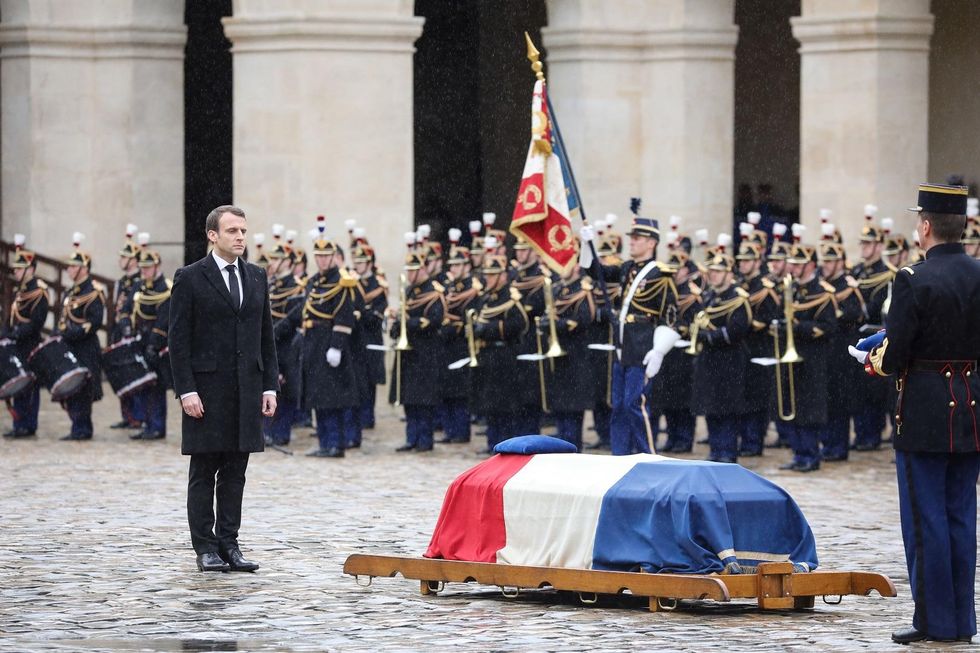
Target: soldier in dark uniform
{"points": [[461, 295], [28, 312], [125, 286], [285, 297], [81, 318], [372, 290], [499, 326], [764, 304], [649, 301], [874, 278], [415, 382], [719, 367], [527, 278], [327, 321], [932, 349], [601, 333], [671, 388], [775, 272], [261, 259], [149, 312], [814, 321], [569, 388], [841, 379], [303, 416]]}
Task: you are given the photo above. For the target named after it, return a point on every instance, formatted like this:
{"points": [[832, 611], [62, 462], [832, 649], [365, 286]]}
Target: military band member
{"points": [[527, 278], [150, 311], [461, 295], [649, 301], [28, 312], [569, 389], [261, 259], [415, 380], [719, 367], [971, 239], [932, 348], [476, 246], [125, 286], [814, 321], [327, 321], [842, 376], [373, 293], [500, 325], [81, 318], [285, 297]]}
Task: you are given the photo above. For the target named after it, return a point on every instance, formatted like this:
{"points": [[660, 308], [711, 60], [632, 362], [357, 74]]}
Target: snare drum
{"points": [[57, 368], [14, 379], [126, 368]]}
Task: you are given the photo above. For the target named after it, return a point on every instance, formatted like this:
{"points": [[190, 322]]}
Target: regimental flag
{"points": [[546, 201]]}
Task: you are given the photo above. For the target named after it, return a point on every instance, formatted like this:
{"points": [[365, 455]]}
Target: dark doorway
{"points": [[207, 120], [472, 108]]}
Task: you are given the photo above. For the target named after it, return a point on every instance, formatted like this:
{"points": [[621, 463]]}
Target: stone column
{"points": [[93, 124], [864, 109], [323, 116]]}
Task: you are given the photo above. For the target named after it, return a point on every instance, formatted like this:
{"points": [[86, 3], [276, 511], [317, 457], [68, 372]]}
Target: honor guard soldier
{"points": [[476, 246], [671, 388], [261, 259], [811, 319], [498, 328], [81, 318], [764, 304], [150, 311], [776, 272], [373, 295], [874, 278], [285, 298], [569, 384], [718, 337], [327, 321], [649, 301], [932, 348], [842, 379], [528, 279], [457, 336], [125, 286], [602, 333], [28, 312], [420, 359]]}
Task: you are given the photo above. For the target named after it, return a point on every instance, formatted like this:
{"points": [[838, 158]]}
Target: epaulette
{"points": [[382, 282], [851, 281], [98, 285], [41, 283], [666, 269], [742, 292], [694, 288], [908, 268], [438, 286], [346, 280], [477, 284], [587, 283], [301, 282], [768, 283], [826, 286], [515, 294]]}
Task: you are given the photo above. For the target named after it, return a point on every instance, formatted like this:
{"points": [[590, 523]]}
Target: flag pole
{"points": [[534, 57]]}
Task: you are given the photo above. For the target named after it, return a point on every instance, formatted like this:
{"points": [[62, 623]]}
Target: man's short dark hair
{"points": [[211, 223], [946, 227]]}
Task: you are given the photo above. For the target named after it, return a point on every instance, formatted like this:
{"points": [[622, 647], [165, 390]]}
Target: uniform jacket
{"points": [[420, 368], [28, 313], [461, 296], [719, 368], [124, 289], [286, 296], [225, 354], [373, 293], [500, 325], [529, 282], [934, 322], [81, 317], [149, 309], [570, 384]]}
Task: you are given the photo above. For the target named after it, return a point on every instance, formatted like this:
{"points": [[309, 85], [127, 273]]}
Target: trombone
{"points": [[700, 321], [554, 347], [402, 344], [470, 338], [789, 357]]}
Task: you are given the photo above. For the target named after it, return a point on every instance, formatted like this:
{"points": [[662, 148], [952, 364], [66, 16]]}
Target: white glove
{"points": [[859, 356], [587, 233], [333, 357], [653, 360]]}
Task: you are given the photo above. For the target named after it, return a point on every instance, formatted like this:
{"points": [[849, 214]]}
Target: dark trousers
{"points": [[352, 426], [154, 401], [419, 426], [79, 407], [330, 428], [629, 425], [457, 424], [680, 429], [869, 421], [215, 477], [279, 426], [805, 441], [127, 409], [601, 414], [367, 408], [528, 420], [722, 437], [937, 496], [500, 427], [570, 426], [752, 431], [835, 438], [26, 406]]}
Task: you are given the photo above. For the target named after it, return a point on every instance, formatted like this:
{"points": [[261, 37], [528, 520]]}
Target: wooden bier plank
{"points": [[674, 586], [816, 583]]}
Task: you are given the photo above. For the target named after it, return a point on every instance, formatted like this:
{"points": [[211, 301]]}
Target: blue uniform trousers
{"points": [[457, 420], [752, 431], [128, 410], [26, 406], [869, 421], [937, 496], [680, 429], [154, 402], [367, 408], [629, 424], [79, 407], [805, 442], [570, 426], [352, 426], [722, 437], [330, 428], [783, 430], [418, 426], [836, 436], [601, 414]]}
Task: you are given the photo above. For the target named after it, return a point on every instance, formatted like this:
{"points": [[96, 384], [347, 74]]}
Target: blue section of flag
{"points": [[869, 343], [678, 516], [556, 146]]}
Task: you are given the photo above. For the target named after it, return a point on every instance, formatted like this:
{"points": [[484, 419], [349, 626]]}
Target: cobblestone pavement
{"points": [[95, 555]]}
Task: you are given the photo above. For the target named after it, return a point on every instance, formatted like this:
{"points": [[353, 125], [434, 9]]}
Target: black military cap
{"points": [[937, 198]]}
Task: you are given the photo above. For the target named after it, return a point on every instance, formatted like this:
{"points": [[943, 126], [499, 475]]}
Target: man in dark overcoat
{"points": [[223, 356]]}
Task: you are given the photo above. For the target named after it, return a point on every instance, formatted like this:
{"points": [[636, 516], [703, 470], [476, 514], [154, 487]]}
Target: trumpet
{"points": [[700, 321], [470, 338], [554, 347], [789, 357], [402, 344]]}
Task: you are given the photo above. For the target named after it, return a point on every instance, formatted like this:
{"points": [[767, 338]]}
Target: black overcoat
{"points": [[719, 368], [420, 368], [570, 385], [81, 319], [227, 356]]}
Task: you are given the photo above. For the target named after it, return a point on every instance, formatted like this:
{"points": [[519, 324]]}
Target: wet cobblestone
{"points": [[95, 555]]}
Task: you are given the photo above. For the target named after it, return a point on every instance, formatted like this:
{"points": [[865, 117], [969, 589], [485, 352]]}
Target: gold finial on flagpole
{"points": [[533, 55]]}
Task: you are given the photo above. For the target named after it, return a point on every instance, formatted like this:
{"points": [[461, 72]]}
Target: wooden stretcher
{"points": [[774, 585]]}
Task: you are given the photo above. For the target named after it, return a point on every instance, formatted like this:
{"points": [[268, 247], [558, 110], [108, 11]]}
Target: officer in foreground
{"points": [[932, 347]]}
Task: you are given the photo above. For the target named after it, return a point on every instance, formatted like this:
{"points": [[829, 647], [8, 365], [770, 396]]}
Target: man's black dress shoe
{"points": [[835, 459], [749, 454], [75, 437], [125, 424], [211, 562], [19, 433], [136, 436], [909, 635], [332, 452], [864, 447], [152, 435], [353, 445], [445, 440], [237, 561], [807, 467], [405, 447]]}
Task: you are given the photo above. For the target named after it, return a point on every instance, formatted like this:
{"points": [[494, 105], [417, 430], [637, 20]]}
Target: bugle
{"points": [[470, 338], [786, 404], [402, 344], [699, 322], [554, 347]]}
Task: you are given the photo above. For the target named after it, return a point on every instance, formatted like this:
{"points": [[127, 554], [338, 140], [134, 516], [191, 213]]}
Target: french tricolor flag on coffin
{"points": [[622, 513]]}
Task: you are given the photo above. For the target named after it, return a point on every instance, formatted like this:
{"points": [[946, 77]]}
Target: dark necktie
{"points": [[233, 286]]}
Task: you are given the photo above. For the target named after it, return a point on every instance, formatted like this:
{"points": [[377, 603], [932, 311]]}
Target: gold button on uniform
{"points": [[949, 374], [952, 403]]}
